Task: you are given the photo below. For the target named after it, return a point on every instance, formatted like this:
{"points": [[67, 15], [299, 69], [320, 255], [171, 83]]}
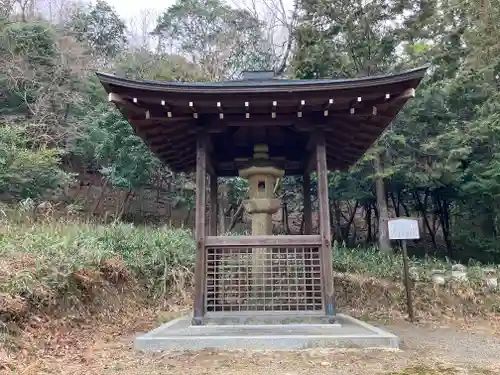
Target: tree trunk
{"points": [[236, 217], [338, 225], [383, 229], [444, 218], [422, 207], [125, 204], [302, 223], [395, 203], [223, 207], [349, 223], [368, 219], [103, 191]]}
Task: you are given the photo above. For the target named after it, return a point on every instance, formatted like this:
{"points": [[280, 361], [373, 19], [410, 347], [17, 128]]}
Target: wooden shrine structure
{"points": [[262, 127]]}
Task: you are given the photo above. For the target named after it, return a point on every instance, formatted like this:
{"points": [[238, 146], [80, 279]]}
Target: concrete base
{"points": [[221, 333]]}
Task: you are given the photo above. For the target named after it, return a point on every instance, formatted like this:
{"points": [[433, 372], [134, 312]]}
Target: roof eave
{"points": [[270, 86]]}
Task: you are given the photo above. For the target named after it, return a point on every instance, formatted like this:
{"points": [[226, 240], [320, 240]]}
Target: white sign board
{"points": [[403, 229]]}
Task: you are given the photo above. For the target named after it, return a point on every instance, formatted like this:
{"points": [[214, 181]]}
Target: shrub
{"points": [[27, 173], [43, 258]]}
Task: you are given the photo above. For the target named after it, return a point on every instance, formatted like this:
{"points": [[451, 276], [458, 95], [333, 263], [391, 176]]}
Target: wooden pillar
{"points": [[324, 225], [306, 191], [213, 205], [199, 273]]}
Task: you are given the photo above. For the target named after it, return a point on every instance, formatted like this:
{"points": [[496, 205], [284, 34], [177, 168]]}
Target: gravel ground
{"points": [[467, 348], [103, 350]]}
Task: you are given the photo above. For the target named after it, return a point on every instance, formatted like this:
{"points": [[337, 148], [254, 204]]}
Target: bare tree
{"points": [[280, 20], [6, 8], [46, 91], [57, 11], [139, 28]]}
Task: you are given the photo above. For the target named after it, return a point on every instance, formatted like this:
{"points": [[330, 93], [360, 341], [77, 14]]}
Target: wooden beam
{"points": [[167, 108], [286, 164], [210, 165], [310, 161], [121, 101], [392, 100], [116, 98], [308, 120], [169, 133], [221, 110], [193, 109], [162, 121], [311, 143], [301, 107], [201, 160], [182, 159], [262, 241], [324, 225], [213, 205], [306, 191], [173, 147], [326, 107]]}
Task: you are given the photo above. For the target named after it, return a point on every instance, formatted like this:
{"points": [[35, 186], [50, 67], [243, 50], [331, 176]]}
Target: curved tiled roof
{"points": [[274, 83], [280, 112]]}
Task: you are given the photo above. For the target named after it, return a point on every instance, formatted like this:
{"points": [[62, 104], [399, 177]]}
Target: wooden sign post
{"points": [[405, 229]]}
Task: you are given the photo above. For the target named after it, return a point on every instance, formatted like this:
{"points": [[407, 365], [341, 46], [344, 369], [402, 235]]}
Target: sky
{"points": [[131, 8], [142, 15]]}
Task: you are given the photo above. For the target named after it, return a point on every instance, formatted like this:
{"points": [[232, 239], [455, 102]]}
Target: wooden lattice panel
{"points": [[263, 279]]}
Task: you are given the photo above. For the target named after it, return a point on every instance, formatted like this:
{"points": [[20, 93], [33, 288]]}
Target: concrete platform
{"points": [[230, 333]]}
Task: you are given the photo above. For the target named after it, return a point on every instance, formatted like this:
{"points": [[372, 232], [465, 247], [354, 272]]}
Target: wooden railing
{"points": [[262, 241], [263, 274]]}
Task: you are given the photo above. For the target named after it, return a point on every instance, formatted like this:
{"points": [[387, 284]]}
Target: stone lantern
{"points": [[261, 205]]}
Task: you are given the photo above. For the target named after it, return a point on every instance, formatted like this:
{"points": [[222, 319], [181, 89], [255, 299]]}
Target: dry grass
{"points": [[102, 344], [385, 300], [73, 296]]}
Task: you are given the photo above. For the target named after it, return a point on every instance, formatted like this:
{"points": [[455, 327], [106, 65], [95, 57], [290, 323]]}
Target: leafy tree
{"points": [[111, 143], [26, 173], [154, 66], [101, 27], [348, 39], [222, 40]]}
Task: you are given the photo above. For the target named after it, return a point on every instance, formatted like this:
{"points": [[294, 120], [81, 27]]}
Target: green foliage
{"points": [[223, 40], [34, 41], [160, 67], [439, 157], [157, 257], [154, 255], [26, 173], [370, 262], [110, 141], [101, 27], [25, 48], [344, 38]]}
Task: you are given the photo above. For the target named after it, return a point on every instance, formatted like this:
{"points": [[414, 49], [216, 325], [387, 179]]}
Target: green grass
{"points": [[156, 256], [371, 262], [160, 257]]}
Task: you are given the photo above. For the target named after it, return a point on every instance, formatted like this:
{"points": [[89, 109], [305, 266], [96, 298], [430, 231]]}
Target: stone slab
{"points": [[347, 332]]}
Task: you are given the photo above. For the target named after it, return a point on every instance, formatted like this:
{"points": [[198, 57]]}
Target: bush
{"points": [[48, 263], [371, 262], [40, 260], [27, 173]]}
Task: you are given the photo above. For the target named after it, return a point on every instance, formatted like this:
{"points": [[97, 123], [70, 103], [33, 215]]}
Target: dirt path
{"points": [[426, 351], [480, 349]]}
